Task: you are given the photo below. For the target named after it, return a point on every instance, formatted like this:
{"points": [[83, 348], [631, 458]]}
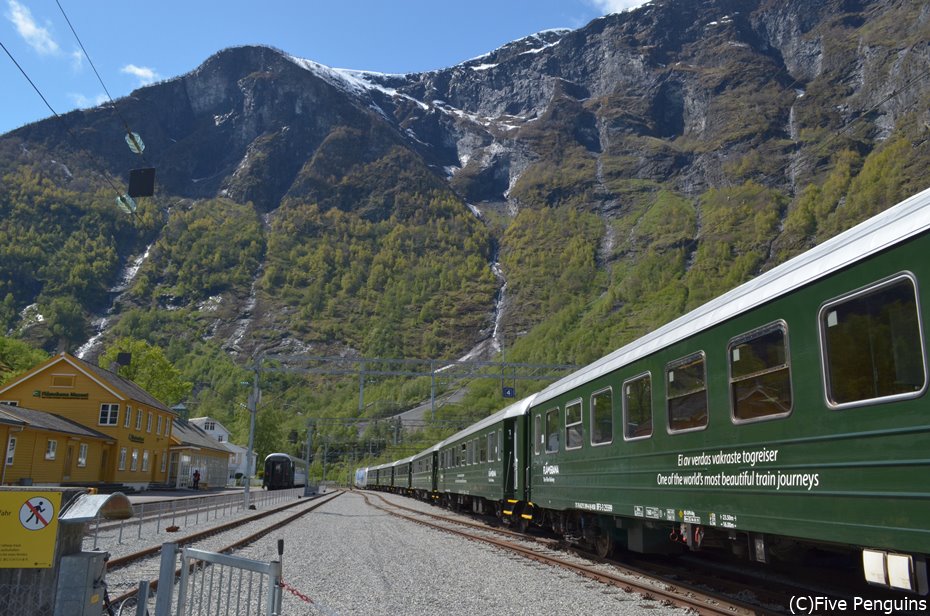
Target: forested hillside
{"points": [[557, 197]]}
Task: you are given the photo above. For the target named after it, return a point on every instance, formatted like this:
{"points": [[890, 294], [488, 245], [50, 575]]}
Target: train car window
{"points": [[552, 430], [538, 436], [482, 450], [500, 443], [637, 407], [602, 417], [760, 377], [686, 394], [872, 345], [574, 431], [492, 446]]}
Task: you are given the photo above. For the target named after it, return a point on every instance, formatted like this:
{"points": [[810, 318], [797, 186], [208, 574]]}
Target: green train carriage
{"points": [[423, 473], [791, 410], [400, 483], [480, 467], [381, 477]]}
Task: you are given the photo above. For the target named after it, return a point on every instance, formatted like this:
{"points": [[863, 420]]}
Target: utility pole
{"points": [[325, 455], [309, 446], [254, 397]]}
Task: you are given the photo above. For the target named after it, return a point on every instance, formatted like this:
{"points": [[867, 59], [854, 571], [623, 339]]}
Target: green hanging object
{"points": [[127, 204], [135, 142]]}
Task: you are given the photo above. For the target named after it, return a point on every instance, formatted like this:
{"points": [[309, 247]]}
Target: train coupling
{"points": [[689, 534]]}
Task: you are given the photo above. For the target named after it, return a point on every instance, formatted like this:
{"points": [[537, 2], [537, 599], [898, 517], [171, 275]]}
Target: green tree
{"points": [[270, 435], [65, 321], [149, 369], [16, 357]]}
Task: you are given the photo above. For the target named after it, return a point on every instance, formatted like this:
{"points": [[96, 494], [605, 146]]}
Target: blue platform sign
{"points": [[510, 392]]}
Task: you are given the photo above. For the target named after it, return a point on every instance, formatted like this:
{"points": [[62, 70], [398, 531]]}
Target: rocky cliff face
{"points": [[678, 95]]}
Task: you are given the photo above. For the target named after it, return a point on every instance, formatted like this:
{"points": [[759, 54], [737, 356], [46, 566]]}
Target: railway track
{"points": [[668, 591], [138, 566]]}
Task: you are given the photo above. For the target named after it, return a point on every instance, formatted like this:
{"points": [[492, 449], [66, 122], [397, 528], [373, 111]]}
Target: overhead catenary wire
{"points": [[129, 131]]}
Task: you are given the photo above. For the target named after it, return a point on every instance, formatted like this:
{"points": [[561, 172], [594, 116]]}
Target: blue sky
{"points": [[135, 43]]}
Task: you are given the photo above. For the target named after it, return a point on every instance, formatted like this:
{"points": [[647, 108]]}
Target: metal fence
{"points": [[180, 512], [213, 583], [22, 599]]}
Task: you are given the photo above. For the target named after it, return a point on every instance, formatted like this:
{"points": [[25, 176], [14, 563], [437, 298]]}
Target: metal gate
{"points": [[213, 583]]}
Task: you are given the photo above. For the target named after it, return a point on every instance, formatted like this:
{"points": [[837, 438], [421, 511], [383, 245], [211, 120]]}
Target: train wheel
{"points": [[603, 544]]}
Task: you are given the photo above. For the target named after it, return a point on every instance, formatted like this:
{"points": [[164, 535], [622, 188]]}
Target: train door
{"points": [[520, 456], [506, 448]]}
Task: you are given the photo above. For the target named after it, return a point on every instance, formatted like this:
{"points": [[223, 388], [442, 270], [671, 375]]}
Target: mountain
{"points": [[559, 195]]}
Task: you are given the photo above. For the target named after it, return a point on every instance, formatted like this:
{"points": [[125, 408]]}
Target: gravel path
{"points": [[350, 558]]}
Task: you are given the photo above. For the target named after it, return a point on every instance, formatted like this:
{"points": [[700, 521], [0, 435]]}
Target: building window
{"points": [[574, 431], [687, 393], [109, 414], [51, 448], [164, 460], [219, 437], [128, 418], [10, 450], [637, 407], [209, 425], [145, 459], [158, 425], [134, 464], [148, 425], [552, 430], [872, 345], [82, 455], [760, 379], [62, 380], [602, 417], [168, 427], [139, 420], [122, 458]]}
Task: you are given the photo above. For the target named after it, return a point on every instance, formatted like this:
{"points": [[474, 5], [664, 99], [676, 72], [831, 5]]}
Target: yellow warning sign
{"points": [[28, 529]]}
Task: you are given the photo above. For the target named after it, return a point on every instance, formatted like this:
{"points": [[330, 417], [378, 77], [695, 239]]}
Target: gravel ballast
{"points": [[350, 558]]}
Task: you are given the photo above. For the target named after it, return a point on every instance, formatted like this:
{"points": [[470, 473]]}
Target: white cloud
{"points": [[616, 6], [37, 37], [84, 102], [144, 74], [77, 60]]}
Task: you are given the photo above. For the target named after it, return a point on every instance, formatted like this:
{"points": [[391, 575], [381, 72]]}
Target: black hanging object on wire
{"points": [[142, 182]]}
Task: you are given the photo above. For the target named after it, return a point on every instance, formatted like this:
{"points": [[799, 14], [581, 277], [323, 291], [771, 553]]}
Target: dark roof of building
{"points": [[191, 435], [123, 384], [47, 421]]}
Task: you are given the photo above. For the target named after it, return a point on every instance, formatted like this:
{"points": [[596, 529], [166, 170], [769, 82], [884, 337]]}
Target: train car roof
{"points": [[279, 454], [514, 410], [402, 461], [898, 223], [426, 451]]}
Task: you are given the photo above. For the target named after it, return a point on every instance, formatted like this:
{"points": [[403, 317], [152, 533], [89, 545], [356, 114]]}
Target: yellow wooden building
{"points": [[138, 425], [45, 448]]}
